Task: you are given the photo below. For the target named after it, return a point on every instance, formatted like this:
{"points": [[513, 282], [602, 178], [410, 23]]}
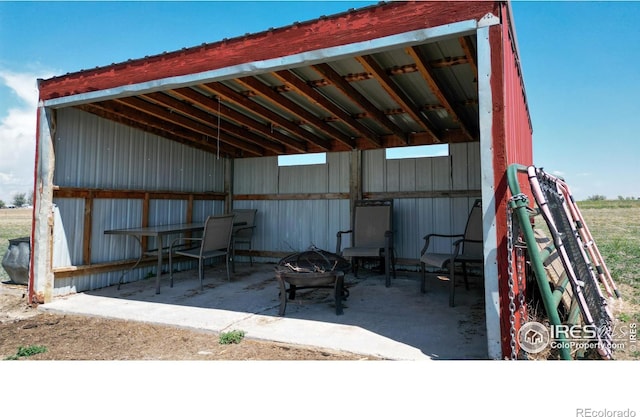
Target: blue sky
{"points": [[579, 59]]}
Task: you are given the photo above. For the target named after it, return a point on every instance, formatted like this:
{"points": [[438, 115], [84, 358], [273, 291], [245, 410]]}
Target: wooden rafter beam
{"points": [[423, 138], [438, 92], [302, 88], [305, 116], [122, 114], [266, 114], [396, 93], [213, 120], [100, 111], [219, 107], [167, 115], [470, 54], [358, 99]]}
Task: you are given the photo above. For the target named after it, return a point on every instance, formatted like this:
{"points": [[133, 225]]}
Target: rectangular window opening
{"points": [[422, 151], [302, 159]]}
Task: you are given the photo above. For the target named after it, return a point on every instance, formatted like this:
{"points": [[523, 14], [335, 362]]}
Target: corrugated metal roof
{"points": [[395, 94]]}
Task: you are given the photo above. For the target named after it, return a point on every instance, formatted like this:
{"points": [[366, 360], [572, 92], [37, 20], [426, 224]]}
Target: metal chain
{"points": [[512, 304], [521, 284], [520, 247]]}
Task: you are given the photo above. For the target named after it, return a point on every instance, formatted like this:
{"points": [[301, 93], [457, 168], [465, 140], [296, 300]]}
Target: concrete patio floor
{"points": [[395, 323]]}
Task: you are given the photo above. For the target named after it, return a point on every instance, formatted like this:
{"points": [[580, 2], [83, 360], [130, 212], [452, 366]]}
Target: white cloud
{"points": [[18, 133], [22, 84]]}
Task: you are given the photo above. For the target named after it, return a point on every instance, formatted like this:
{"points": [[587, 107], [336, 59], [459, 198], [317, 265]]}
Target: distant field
{"points": [[609, 204], [615, 226]]}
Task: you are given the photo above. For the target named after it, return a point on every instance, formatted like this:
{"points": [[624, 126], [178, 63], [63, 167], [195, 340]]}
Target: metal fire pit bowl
{"points": [[313, 260], [314, 268]]}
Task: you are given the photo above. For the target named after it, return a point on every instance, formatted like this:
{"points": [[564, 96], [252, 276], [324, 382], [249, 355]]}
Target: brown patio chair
{"points": [[371, 235], [243, 234], [467, 249], [215, 242]]}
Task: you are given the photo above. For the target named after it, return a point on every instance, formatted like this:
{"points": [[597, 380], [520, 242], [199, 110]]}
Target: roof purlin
{"points": [[427, 74], [188, 123], [115, 111], [217, 107], [372, 111], [315, 96], [275, 98], [228, 93], [215, 122], [392, 89]]}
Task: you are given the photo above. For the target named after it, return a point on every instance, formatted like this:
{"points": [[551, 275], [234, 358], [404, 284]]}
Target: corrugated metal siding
{"points": [[122, 156], [458, 171], [95, 153], [290, 225], [414, 218], [66, 255], [517, 122], [255, 175]]}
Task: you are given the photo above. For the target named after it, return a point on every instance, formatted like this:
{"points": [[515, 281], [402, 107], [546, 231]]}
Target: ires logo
{"points": [[534, 337]]}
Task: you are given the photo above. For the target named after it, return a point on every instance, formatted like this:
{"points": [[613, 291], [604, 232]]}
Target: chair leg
{"points": [[452, 283], [170, 271], [283, 295], [232, 267], [233, 257], [201, 272], [393, 263], [338, 290], [464, 274], [423, 280], [387, 269]]}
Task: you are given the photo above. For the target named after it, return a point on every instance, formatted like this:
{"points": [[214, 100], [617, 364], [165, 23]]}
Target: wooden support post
{"points": [[228, 185], [355, 178], [86, 236], [145, 218]]}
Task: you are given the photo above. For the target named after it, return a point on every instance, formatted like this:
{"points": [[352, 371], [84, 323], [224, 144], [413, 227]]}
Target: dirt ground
{"points": [[67, 337]]}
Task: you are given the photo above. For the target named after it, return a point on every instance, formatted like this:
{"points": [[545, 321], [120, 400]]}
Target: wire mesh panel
{"points": [[553, 201]]}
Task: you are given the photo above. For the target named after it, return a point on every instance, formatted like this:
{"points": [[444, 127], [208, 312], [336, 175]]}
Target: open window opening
{"points": [[422, 151], [305, 159]]}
